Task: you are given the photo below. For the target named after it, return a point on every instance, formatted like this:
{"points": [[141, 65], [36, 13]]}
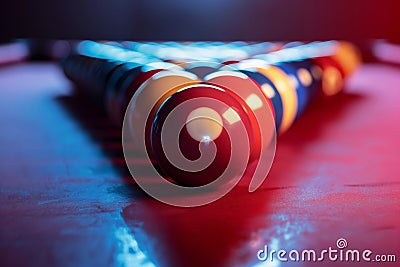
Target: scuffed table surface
{"points": [[66, 198]]}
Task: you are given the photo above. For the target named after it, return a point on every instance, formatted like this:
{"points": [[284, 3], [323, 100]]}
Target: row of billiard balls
{"points": [[211, 103]]}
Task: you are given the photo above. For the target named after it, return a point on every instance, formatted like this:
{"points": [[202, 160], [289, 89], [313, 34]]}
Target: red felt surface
{"points": [[67, 200]]}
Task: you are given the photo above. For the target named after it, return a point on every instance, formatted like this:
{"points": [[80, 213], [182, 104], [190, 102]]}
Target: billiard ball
{"points": [[270, 91], [332, 77], [97, 75], [201, 134], [113, 86], [347, 56], [103, 74], [147, 99], [259, 108], [286, 91], [309, 75], [282, 83], [80, 69], [301, 86], [68, 65], [130, 83]]}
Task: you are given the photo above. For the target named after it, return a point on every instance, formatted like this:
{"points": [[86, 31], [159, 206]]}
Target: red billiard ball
{"points": [[259, 107], [201, 133], [332, 75]]}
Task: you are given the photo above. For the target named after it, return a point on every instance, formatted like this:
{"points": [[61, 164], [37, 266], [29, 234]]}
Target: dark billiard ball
{"points": [[309, 75], [79, 69], [201, 133], [95, 89], [287, 93], [113, 86], [103, 74], [283, 85], [68, 66], [270, 91], [302, 91]]}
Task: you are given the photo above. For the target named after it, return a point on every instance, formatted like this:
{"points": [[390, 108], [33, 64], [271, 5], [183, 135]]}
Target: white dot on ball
{"points": [[204, 124], [305, 77], [293, 81], [231, 116], [254, 102], [268, 90]]}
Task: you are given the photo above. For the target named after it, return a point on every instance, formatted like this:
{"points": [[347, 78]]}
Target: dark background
{"points": [[201, 20]]}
